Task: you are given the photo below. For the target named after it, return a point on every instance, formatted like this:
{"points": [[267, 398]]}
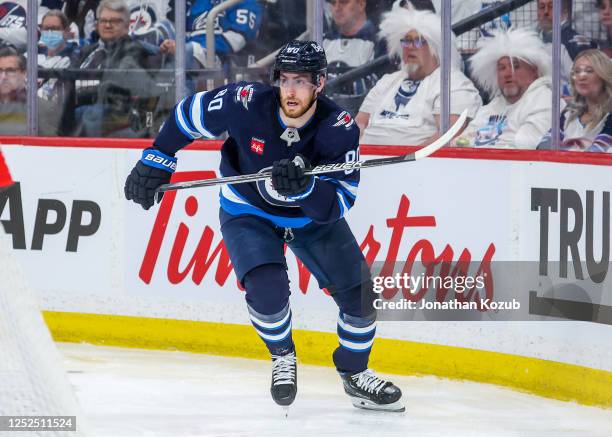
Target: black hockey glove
{"points": [[154, 169], [289, 180]]}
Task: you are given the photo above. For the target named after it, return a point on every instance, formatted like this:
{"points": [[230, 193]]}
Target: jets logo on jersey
{"points": [[199, 24], [270, 195], [244, 95], [257, 145], [344, 119]]}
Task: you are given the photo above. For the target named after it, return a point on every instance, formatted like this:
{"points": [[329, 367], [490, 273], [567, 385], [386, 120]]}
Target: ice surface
{"points": [[131, 392]]}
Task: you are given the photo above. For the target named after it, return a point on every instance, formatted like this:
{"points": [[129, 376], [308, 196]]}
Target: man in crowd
{"points": [[514, 67], [572, 43], [106, 104], [12, 92], [350, 43], [404, 107]]}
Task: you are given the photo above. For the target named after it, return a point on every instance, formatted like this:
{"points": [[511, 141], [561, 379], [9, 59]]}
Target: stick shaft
{"points": [[327, 168]]}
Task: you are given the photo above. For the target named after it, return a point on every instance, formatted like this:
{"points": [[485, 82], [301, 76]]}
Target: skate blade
{"points": [[365, 404]]}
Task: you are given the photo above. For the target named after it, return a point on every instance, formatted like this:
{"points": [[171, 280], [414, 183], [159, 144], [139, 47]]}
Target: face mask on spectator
{"points": [[52, 39]]}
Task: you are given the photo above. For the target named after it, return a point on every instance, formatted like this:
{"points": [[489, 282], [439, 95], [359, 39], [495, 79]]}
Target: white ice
{"points": [[131, 392]]}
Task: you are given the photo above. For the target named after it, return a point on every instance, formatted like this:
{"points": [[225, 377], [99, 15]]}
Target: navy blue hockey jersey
{"points": [[233, 27], [249, 113]]}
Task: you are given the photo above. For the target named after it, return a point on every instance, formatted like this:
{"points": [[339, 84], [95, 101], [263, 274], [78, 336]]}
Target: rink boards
{"points": [[109, 272]]}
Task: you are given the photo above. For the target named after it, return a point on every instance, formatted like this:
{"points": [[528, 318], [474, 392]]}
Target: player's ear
{"points": [[322, 80]]}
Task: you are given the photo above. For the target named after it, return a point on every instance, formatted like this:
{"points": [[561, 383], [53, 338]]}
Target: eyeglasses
{"points": [[298, 84], [416, 43], [9, 71], [110, 21], [587, 71]]}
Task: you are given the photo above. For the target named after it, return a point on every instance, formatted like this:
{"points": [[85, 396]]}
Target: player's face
{"points": [[417, 60], [12, 78], [346, 12], [514, 77], [586, 81], [111, 25], [297, 93]]}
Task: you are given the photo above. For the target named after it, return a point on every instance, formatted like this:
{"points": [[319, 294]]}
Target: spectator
{"points": [[107, 104], [233, 28], [115, 48], [13, 21], [12, 92], [572, 43], [350, 43], [514, 67], [404, 107], [54, 49], [586, 124], [151, 21], [605, 15]]}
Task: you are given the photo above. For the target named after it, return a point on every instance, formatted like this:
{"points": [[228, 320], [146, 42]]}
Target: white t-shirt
{"points": [[516, 126], [402, 111]]}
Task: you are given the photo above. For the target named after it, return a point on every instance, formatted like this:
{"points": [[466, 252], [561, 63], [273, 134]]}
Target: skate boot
{"points": [[284, 378], [369, 392]]}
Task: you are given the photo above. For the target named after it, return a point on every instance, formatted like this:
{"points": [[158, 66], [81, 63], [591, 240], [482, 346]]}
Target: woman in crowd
{"points": [[586, 123]]}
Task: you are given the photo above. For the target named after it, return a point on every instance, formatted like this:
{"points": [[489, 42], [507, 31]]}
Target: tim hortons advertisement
{"points": [[447, 239]]}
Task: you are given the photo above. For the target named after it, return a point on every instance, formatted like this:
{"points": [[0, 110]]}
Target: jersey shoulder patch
{"points": [[344, 119], [246, 92]]}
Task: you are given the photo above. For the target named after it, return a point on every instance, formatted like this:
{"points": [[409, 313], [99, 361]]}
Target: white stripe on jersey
{"points": [[196, 114], [183, 124]]}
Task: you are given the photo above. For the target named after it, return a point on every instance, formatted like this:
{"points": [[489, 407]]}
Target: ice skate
{"points": [[284, 378], [369, 392]]}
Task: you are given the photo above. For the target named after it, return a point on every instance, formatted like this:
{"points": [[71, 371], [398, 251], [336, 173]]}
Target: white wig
{"points": [[521, 43], [399, 21]]}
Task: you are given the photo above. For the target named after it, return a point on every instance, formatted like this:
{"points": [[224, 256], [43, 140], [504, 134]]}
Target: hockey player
{"points": [[285, 127]]}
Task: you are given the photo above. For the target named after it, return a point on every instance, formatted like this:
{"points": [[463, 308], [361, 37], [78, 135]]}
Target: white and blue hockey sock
{"points": [[274, 329], [356, 336]]}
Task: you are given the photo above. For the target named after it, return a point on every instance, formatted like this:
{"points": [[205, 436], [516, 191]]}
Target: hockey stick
{"points": [[328, 168]]}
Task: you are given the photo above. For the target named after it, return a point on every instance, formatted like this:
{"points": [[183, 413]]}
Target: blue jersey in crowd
{"points": [[233, 27], [249, 113]]}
